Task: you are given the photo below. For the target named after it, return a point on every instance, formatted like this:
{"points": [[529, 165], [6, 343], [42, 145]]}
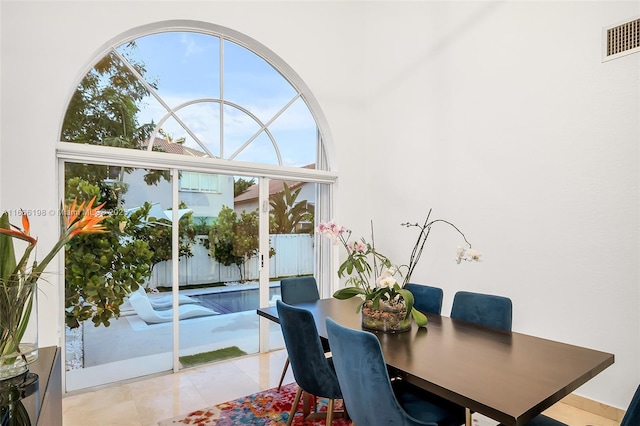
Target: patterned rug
{"points": [[266, 408]]}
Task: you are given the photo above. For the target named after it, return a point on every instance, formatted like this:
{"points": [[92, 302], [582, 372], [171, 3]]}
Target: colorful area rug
{"points": [[266, 408]]}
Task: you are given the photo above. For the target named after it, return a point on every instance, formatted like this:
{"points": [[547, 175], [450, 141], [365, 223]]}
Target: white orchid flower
{"points": [[459, 254], [386, 281], [473, 255]]}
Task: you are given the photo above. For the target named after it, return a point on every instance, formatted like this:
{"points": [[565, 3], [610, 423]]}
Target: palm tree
{"points": [[287, 213]]}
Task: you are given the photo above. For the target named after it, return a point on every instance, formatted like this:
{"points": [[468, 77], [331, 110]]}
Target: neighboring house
{"points": [[248, 200], [204, 193]]}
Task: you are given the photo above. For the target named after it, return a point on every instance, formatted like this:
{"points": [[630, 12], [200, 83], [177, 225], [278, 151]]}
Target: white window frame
{"points": [[95, 154]]}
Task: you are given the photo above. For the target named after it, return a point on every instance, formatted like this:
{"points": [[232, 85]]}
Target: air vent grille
{"points": [[623, 39]]}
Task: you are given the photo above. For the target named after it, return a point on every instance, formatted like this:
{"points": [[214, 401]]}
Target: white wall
{"points": [[502, 117], [499, 115]]}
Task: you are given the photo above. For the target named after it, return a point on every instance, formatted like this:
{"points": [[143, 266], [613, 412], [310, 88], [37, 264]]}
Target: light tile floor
{"points": [[144, 402]]}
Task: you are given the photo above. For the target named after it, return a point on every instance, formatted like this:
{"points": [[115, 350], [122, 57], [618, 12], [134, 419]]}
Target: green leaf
{"points": [[420, 318], [408, 299], [7, 255], [348, 293]]}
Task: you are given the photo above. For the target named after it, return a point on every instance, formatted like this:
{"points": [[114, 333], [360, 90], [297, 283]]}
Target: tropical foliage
{"points": [[157, 232], [19, 274], [101, 270], [287, 213], [240, 185]]}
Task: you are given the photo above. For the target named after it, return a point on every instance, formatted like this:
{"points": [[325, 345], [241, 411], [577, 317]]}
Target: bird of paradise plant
{"points": [[18, 279]]}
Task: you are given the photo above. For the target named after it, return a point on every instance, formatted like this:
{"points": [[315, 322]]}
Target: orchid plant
{"points": [[18, 278], [371, 275]]}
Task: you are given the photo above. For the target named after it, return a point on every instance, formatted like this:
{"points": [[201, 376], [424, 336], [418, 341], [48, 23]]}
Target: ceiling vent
{"points": [[622, 39]]}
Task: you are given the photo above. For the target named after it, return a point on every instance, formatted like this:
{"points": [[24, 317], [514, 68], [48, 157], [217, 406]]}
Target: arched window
{"points": [[191, 124], [212, 95]]}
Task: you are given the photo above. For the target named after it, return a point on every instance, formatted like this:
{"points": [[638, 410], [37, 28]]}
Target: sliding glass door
{"points": [[220, 270], [149, 296], [116, 325]]}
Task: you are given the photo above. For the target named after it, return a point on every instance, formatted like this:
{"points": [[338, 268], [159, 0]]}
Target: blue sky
{"points": [[186, 67]]}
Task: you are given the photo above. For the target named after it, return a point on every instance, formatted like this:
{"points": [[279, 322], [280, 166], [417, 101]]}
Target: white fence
{"points": [[294, 256]]}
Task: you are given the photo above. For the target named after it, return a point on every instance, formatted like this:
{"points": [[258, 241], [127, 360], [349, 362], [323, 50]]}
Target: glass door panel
{"points": [[220, 271], [117, 325], [291, 230]]}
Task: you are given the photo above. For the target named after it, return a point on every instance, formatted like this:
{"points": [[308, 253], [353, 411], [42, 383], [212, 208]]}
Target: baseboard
{"points": [[594, 407]]}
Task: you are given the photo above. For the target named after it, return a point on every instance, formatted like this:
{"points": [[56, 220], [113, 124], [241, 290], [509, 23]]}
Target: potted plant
{"points": [[386, 304], [19, 278]]}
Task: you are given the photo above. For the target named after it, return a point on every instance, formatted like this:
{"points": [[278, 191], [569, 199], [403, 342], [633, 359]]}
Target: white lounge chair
{"points": [[143, 308], [165, 301]]}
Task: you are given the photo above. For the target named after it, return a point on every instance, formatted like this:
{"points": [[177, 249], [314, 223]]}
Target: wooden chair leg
{"points": [[330, 413], [306, 404], [294, 406], [284, 371]]}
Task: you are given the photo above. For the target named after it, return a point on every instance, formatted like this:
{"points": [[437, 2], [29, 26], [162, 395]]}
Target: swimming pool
{"points": [[234, 300]]}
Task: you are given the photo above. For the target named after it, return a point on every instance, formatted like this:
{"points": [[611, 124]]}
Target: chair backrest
{"points": [[426, 298], [299, 290], [632, 416], [364, 380], [311, 369], [483, 309]]}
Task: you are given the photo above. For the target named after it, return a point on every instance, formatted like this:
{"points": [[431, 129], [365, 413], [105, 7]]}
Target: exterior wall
{"points": [[307, 192], [203, 204]]}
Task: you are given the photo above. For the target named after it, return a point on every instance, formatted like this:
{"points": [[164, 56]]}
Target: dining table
{"points": [[507, 376]]}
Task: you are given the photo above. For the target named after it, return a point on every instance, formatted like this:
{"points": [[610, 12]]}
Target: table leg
{"points": [[467, 421]]}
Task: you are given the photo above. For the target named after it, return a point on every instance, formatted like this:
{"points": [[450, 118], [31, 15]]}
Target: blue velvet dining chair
{"points": [[296, 290], [313, 371], [483, 309], [426, 298], [491, 311], [369, 395], [632, 416], [299, 290]]}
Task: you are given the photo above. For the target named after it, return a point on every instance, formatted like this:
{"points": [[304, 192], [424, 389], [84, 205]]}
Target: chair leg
{"points": [[306, 404], [284, 371], [296, 400], [330, 413]]}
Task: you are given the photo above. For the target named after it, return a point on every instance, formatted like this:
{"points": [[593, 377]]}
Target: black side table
{"points": [[35, 397]]}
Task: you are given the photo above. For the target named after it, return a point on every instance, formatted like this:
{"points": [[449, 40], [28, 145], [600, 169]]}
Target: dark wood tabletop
{"points": [[510, 377]]}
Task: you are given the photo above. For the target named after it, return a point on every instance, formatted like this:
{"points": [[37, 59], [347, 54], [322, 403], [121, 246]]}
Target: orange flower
{"points": [[25, 223], [22, 235], [72, 212], [88, 223]]}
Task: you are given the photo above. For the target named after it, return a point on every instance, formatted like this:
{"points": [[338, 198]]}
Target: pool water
{"points": [[228, 302]]}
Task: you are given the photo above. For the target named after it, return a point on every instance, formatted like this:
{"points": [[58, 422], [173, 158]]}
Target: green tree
{"points": [[157, 232], [241, 185], [102, 269], [233, 240], [103, 111], [287, 213]]}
